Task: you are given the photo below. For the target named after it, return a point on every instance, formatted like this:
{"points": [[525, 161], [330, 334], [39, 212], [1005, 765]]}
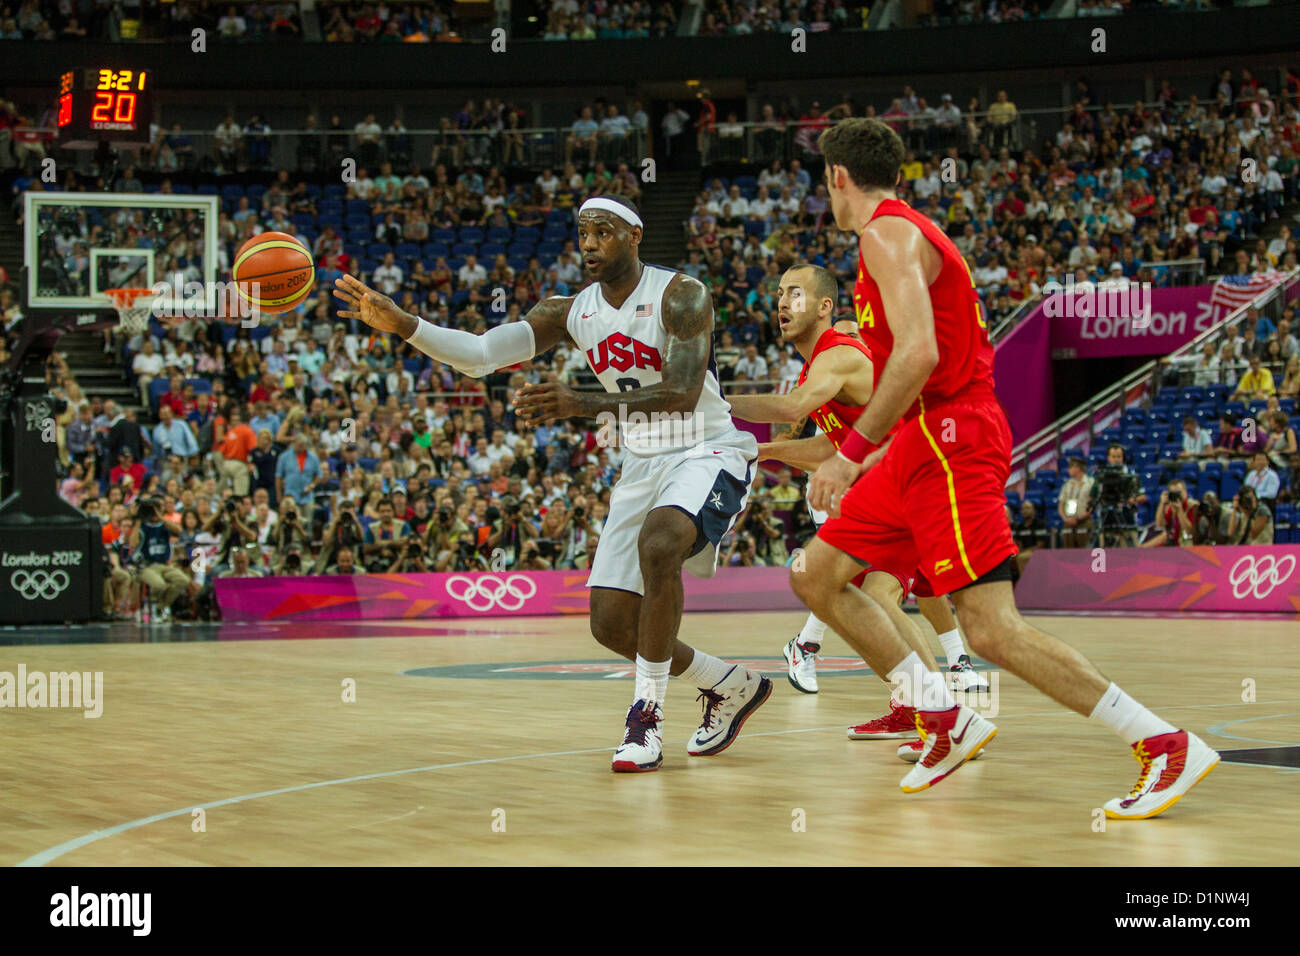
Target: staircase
{"points": [[99, 374], [665, 205]]}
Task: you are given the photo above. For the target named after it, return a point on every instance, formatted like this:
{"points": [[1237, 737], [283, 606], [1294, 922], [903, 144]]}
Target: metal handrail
{"points": [[1029, 452]]}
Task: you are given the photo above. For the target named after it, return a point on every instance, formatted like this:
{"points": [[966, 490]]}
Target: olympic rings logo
{"points": [[489, 591], [1248, 577], [39, 584]]}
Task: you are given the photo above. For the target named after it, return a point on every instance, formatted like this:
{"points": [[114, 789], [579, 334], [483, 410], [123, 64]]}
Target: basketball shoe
{"points": [[912, 750], [1171, 765], [727, 705], [642, 749], [899, 722], [949, 738], [964, 676], [802, 664]]}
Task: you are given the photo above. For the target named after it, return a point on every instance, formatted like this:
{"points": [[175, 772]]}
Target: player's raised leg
{"points": [[1172, 760], [961, 672]]}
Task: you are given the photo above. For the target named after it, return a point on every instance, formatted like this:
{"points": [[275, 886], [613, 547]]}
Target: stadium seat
{"points": [[354, 249], [207, 189], [1287, 405], [407, 250], [367, 265], [330, 219], [179, 189], [1228, 487], [1238, 468], [464, 249], [329, 207], [1235, 409], [377, 250], [498, 234], [368, 464], [358, 207], [360, 237], [1135, 416], [1167, 396], [527, 234], [413, 365], [559, 217], [556, 234], [362, 223], [202, 386], [232, 194], [518, 263], [334, 192], [1013, 499], [445, 236], [1192, 393], [549, 250], [1284, 523], [490, 250], [157, 388], [518, 248], [471, 234], [255, 194], [454, 263]]}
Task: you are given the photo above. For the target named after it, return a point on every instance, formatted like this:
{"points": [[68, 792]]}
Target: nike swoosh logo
{"points": [[717, 453], [956, 739], [587, 315]]}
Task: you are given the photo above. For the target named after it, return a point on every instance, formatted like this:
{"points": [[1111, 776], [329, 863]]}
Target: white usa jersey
{"points": [[625, 348]]}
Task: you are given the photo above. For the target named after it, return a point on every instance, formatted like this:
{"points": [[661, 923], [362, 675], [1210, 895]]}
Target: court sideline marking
{"points": [[53, 853]]}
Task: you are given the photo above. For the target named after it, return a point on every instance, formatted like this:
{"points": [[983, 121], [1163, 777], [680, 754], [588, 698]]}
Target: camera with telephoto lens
{"points": [[1115, 485], [1175, 496], [293, 562]]}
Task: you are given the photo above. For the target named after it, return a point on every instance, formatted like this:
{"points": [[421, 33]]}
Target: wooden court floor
{"points": [[493, 769]]}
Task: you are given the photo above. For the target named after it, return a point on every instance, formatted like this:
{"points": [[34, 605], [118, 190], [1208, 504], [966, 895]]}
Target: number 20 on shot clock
{"points": [[105, 104]]}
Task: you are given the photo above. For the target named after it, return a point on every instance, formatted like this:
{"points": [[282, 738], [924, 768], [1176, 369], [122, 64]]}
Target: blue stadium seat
{"points": [[377, 250], [1287, 405], [445, 236], [559, 217], [1192, 393], [1167, 396], [454, 263], [1136, 416], [354, 249], [367, 265], [518, 248], [549, 250], [555, 234], [255, 194], [232, 193], [1235, 409], [368, 464], [358, 207], [471, 234], [527, 234], [329, 207], [407, 250], [358, 236], [490, 250], [459, 298], [329, 219], [1229, 486], [518, 263], [464, 249], [498, 234], [354, 221], [1284, 523], [413, 365], [180, 189], [334, 193], [1219, 393], [207, 189], [303, 220]]}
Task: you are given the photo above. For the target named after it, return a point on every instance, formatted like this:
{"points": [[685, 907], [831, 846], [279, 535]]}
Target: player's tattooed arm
{"points": [[792, 431], [549, 319], [688, 319]]}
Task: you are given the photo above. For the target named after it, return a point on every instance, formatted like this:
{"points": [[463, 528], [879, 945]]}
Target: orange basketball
{"points": [[274, 272]]}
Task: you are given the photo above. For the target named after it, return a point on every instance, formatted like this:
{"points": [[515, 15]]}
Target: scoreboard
{"points": [[105, 104]]}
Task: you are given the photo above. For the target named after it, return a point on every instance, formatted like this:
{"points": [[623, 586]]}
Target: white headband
{"points": [[608, 205]]}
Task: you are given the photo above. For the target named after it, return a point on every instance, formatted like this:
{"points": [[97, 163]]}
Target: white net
{"points": [[133, 309]]}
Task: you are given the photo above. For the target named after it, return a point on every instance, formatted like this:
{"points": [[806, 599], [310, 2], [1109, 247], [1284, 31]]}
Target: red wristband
{"points": [[856, 447]]}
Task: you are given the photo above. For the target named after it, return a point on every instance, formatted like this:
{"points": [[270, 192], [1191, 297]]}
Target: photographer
{"points": [[743, 552], [463, 556], [573, 538], [345, 531], [768, 532], [1211, 520], [530, 558], [584, 561], [290, 541], [514, 532], [347, 563], [233, 529], [1176, 516], [1250, 522], [151, 541], [384, 538], [411, 558], [445, 532]]}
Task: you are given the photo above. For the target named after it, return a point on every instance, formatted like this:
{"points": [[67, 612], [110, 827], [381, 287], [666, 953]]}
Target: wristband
{"points": [[856, 447]]}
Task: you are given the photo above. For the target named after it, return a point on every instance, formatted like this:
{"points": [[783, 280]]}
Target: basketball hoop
{"points": [[132, 308]]}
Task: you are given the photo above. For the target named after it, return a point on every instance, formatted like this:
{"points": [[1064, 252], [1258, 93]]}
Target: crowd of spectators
{"points": [[1111, 198], [602, 20], [307, 444]]}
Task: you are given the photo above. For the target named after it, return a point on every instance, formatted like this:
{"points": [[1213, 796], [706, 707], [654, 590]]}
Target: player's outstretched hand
{"points": [[546, 401], [373, 308]]}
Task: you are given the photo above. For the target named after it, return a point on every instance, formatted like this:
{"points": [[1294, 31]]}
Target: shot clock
{"points": [[104, 104]]}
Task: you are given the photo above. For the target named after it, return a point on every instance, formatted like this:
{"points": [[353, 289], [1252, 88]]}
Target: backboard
{"points": [[76, 245]]}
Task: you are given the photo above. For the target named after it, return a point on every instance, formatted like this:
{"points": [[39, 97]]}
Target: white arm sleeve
{"points": [[476, 355]]}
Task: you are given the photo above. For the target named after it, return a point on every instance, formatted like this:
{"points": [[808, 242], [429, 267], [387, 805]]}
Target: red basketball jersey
{"points": [[965, 354], [834, 418]]}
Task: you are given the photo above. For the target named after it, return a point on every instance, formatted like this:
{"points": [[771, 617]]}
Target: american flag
{"points": [[1233, 292], [645, 311]]}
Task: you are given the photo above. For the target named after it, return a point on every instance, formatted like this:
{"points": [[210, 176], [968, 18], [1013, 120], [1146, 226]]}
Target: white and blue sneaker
{"points": [[801, 666], [642, 749], [727, 705], [963, 676]]}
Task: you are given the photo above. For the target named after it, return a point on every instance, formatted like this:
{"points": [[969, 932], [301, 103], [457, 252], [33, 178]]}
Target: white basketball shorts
{"points": [[709, 482]]}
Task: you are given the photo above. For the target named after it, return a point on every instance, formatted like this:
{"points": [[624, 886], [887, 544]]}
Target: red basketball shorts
{"points": [[936, 503]]}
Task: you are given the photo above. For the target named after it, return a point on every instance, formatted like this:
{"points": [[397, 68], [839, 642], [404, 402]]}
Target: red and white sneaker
{"points": [[898, 723], [1171, 765], [911, 751], [949, 738], [642, 749]]}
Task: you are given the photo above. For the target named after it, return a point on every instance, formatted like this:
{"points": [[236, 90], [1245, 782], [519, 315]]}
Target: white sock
{"points": [[917, 686], [705, 670], [651, 679], [1122, 714], [814, 629], [952, 646]]}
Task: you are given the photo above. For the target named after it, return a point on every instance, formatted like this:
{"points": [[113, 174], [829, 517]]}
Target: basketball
{"points": [[274, 272]]}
